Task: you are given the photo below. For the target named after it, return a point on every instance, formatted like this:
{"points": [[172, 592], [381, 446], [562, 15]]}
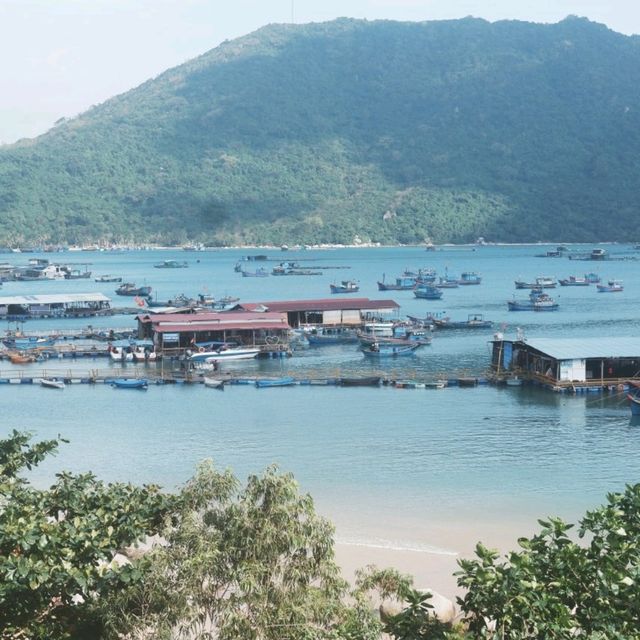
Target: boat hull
{"points": [[277, 382], [124, 383], [370, 381], [228, 354]]}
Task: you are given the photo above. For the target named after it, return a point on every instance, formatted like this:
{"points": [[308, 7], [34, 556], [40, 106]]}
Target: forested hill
{"points": [[385, 131]]}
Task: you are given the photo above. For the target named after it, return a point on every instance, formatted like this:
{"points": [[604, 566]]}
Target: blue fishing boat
{"points": [[427, 292], [287, 381], [25, 343], [613, 286], [474, 321], [592, 278], [538, 301], [390, 349], [346, 286], [469, 277], [127, 383], [403, 283]]}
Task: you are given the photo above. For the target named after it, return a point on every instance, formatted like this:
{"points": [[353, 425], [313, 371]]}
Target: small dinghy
{"points": [[214, 383], [125, 383], [52, 383]]}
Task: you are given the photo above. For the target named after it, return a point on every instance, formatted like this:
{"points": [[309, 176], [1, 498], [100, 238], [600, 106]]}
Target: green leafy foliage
{"points": [[57, 545], [377, 131], [557, 588]]}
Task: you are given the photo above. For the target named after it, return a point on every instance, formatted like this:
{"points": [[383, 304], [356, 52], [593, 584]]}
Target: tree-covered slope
{"points": [[387, 131]]}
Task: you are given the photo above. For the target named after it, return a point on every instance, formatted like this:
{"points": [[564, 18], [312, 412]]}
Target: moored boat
{"points": [[541, 282], [130, 289], [389, 349], [171, 264], [130, 383], [403, 283], [613, 286], [538, 301], [285, 381], [474, 321], [108, 278], [346, 286], [258, 273], [574, 281], [52, 383], [224, 352], [330, 335], [367, 381], [213, 383], [427, 292], [469, 277]]}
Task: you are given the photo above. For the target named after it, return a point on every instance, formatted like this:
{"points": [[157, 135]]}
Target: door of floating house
{"points": [[571, 370]]}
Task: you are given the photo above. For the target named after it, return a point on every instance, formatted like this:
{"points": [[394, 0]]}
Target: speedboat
{"points": [[224, 352], [121, 354], [52, 383]]}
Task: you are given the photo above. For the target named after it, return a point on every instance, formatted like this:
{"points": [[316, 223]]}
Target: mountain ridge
{"points": [[391, 132]]}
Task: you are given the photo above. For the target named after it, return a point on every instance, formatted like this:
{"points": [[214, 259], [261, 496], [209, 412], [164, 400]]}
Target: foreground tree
{"points": [[57, 545], [555, 587]]}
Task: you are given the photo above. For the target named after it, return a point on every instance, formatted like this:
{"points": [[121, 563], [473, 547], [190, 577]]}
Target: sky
{"points": [[60, 57]]}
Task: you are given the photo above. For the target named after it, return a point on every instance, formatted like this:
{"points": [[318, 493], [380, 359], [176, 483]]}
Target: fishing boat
{"points": [[346, 286], [541, 282], [634, 397], [258, 273], [130, 289], [592, 278], [108, 278], [574, 281], [380, 329], [613, 286], [213, 383], [429, 319], [143, 353], [474, 321], [77, 274], [120, 354], [445, 283], [171, 264], [223, 352], [52, 383], [18, 358], [538, 301], [427, 292], [24, 343], [403, 283], [389, 349], [469, 277], [329, 335], [367, 381], [286, 381], [128, 383]]}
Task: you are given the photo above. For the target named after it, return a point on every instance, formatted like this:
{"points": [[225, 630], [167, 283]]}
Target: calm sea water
{"points": [[389, 466]]}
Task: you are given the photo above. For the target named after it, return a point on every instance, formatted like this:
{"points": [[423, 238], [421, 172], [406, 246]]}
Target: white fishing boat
{"points": [[121, 354], [141, 353], [213, 383], [51, 383], [224, 352]]}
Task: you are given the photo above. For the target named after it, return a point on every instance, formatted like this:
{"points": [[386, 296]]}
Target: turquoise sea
{"points": [[392, 468]]}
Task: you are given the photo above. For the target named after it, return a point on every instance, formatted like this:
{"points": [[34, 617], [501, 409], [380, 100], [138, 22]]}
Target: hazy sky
{"points": [[59, 57]]}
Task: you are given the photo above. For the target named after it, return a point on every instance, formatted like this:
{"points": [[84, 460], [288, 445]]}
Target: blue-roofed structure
{"points": [[561, 363]]}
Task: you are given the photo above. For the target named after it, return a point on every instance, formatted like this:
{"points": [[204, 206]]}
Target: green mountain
{"points": [[384, 131]]}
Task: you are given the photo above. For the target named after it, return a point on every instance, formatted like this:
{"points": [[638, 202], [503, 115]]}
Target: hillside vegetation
{"points": [[382, 131]]}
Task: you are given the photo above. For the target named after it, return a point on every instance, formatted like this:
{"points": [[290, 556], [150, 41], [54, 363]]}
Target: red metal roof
{"points": [[211, 317], [322, 304]]}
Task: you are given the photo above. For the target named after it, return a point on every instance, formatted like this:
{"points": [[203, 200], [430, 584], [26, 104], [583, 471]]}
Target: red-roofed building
{"points": [[324, 311]]}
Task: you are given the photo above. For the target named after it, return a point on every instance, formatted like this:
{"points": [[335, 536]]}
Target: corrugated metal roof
{"points": [[577, 348], [322, 304], [211, 317], [227, 326], [60, 298]]}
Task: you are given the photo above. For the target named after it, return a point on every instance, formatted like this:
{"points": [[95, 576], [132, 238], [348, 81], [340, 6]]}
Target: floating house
{"points": [[325, 312], [68, 305], [572, 364], [175, 333]]}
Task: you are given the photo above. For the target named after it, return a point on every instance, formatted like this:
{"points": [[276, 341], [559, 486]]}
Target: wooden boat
{"points": [[574, 281], [52, 383], [108, 278], [171, 264], [130, 289], [128, 383], [346, 286], [214, 383], [469, 277], [389, 349], [474, 321], [286, 381], [613, 286], [541, 282], [427, 292], [224, 352], [403, 283], [18, 358], [368, 381]]}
